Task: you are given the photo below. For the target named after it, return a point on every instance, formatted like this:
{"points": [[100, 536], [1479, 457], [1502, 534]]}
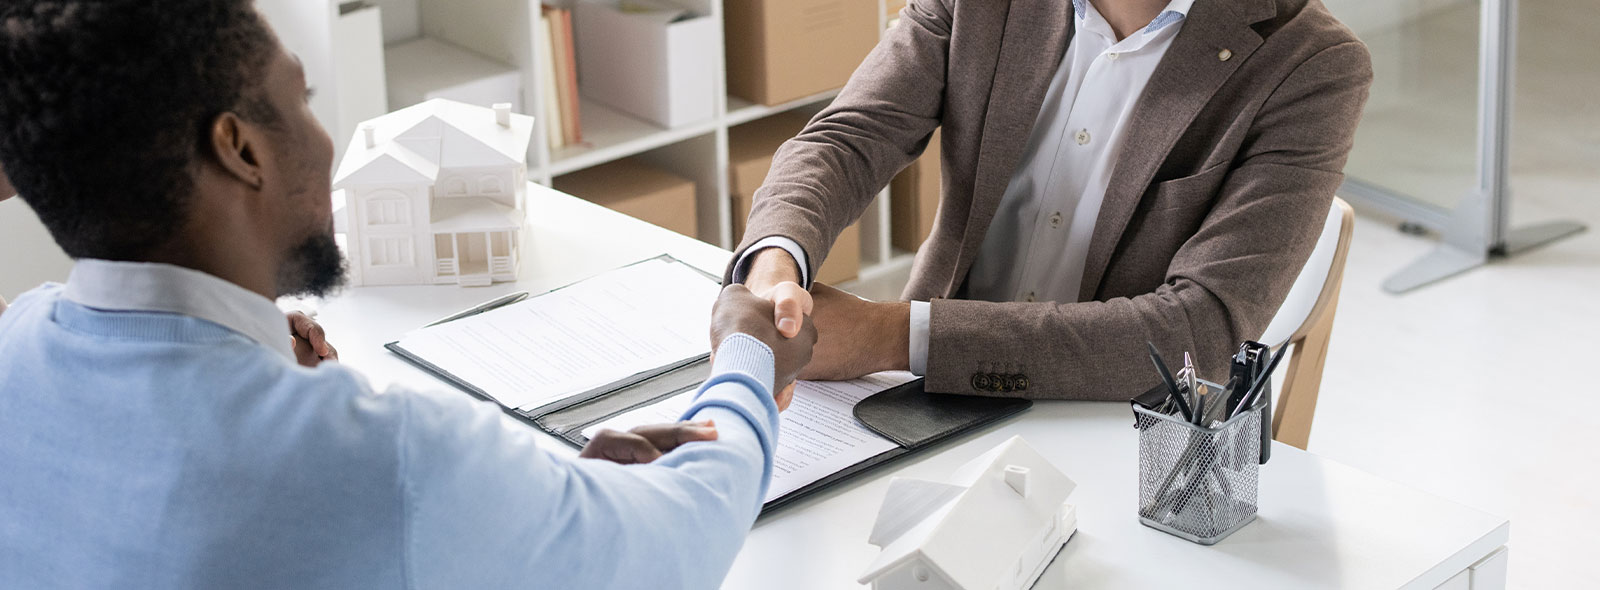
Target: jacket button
{"points": [[980, 381], [1007, 383], [996, 382], [1022, 382]]}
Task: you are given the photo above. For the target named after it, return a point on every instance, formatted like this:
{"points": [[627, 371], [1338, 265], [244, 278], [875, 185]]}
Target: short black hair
{"points": [[106, 105]]}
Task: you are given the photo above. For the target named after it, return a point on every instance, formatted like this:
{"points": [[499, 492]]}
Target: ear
{"points": [[240, 149]]}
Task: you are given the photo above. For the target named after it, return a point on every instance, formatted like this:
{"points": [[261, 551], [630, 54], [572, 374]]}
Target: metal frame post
{"points": [[1479, 226]]}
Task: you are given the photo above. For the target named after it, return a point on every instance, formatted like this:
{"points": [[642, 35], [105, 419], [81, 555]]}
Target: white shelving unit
{"points": [[506, 31]]}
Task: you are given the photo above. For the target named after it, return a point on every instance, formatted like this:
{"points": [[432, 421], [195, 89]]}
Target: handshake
{"points": [[823, 333]]}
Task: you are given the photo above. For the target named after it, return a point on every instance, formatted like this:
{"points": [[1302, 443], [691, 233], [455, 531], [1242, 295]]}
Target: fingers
{"points": [[738, 311], [303, 352], [303, 327], [791, 305], [666, 437], [785, 397], [623, 448]]}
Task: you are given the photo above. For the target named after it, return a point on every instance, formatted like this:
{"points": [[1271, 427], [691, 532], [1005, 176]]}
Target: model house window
{"points": [[388, 211], [395, 251], [490, 185], [455, 187]]}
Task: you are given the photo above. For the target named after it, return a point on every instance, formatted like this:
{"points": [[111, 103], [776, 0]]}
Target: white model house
{"points": [[434, 195], [995, 526]]}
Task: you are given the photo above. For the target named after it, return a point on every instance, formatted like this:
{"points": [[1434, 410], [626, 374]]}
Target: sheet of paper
{"points": [[817, 436], [597, 332]]}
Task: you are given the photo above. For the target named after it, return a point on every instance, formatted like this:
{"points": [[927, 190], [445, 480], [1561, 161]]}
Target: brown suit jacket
{"points": [[1218, 196]]}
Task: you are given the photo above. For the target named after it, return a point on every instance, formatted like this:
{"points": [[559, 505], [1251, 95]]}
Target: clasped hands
{"points": [[855, 337]]}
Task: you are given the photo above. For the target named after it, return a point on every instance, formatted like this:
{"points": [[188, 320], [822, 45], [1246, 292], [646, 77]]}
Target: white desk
{"points": [[1321, 524]]}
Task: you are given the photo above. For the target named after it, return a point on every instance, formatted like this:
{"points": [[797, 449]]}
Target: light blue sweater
{"points": [[144, 449]]}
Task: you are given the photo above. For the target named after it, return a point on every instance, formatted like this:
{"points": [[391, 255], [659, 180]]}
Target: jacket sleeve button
{"points": [[980, 381]]}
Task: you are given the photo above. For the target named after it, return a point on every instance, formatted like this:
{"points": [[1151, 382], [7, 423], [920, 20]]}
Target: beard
{"points": [[315, 268]]}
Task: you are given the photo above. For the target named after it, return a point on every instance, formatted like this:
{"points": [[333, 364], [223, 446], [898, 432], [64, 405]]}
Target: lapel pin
{"points": [[1225, 55]]}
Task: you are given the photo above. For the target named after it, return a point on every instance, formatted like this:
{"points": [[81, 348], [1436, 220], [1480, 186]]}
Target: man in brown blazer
{"points": [[1048, 269]]}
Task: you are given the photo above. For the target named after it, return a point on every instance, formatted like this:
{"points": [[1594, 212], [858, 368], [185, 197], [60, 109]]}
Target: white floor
{"points": [[1484, 388]]}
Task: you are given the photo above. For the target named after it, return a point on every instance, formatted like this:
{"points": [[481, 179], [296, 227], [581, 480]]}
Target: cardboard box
{"points": [[638, 189], [426, 68], [782, 50], [659, 66], [914, 199], [750, 150]]}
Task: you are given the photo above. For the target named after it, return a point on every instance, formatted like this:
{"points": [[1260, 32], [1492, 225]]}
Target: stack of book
{"points": [[558, 76]]}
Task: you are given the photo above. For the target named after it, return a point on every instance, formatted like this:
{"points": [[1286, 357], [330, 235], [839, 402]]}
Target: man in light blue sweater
{"points": [[156, 430]]}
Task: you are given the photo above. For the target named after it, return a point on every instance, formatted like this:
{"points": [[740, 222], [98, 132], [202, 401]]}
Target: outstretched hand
{"points": [[646, 443], [857, 337]]}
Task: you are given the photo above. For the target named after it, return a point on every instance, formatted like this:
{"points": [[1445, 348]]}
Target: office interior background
{"points": [[1480, 388]]}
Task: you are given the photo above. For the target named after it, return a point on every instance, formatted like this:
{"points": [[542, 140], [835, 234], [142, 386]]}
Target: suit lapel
{"points": [[1032, 46], [1185, 80]]}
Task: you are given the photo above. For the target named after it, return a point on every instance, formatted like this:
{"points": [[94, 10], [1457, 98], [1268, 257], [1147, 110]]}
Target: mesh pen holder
{"points": [[1198, 483]]}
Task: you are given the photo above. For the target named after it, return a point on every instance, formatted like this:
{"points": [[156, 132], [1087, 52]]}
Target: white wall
{"points": [[28, 256], [401, 20], [306, 28]]}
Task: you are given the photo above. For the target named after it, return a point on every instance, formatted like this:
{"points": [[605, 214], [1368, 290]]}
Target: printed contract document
{"points": [[817, 436], [603, 332]]}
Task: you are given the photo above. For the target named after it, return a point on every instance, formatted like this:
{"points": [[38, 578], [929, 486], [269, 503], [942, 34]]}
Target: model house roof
{"points": [[972, 528], [411, 145]]}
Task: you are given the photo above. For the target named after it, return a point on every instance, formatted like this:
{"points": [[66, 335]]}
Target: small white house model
{"points": [[996, 525], [434, 195]]}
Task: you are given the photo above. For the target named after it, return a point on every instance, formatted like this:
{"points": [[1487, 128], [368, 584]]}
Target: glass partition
{"points": [[1419, 136]]}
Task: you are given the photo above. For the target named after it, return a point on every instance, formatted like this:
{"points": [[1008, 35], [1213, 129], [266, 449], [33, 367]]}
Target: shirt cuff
{"points": [[921, 312], [742, 269], [742, 353]]}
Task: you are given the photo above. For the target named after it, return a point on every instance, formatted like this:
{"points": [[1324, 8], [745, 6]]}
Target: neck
{"points": [[227, 264], [223, 240], [1128, 16]]}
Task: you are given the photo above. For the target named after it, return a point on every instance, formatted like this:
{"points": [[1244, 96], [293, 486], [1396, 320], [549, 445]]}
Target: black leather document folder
{"points": [[905, 415]]}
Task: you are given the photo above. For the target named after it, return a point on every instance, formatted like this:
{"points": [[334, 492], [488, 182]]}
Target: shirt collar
{"points": [[164, 288], [1175, 11]]}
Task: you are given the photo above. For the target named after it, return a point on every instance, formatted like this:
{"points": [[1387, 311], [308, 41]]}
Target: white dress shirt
{"points": [[1037, 244]]}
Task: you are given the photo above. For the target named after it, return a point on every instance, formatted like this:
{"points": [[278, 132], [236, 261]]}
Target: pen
{"points": [[1161, 367], [483, 307]]}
